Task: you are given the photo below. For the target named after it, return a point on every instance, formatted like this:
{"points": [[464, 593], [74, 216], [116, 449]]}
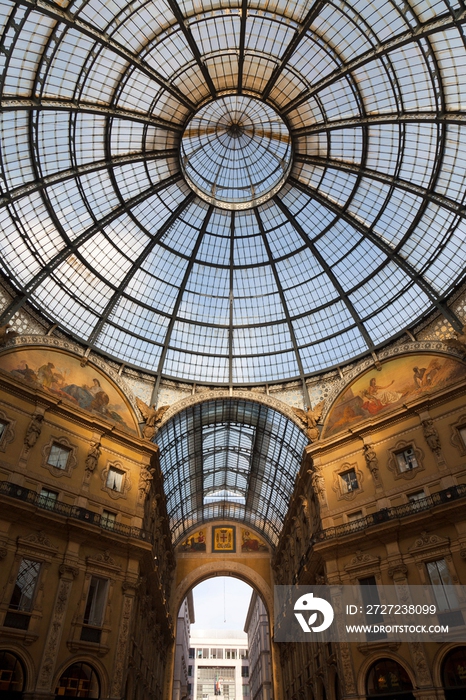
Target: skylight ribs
{"points": [[239, 440]]}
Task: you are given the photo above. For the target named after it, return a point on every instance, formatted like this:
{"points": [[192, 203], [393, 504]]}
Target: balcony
{"points": [[446, 496], [68, 511]]}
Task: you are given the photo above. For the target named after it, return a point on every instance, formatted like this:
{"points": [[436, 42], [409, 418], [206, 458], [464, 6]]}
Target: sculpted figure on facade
{"points": [[152, 417], [34, 430], [93, 455], [372, 462], [310, 419], [146, 476], [318, 482], [459, 343], [6, 333], [431, 436]]}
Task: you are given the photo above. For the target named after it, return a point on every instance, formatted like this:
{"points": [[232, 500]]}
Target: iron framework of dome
{"points": [[358, 236]]}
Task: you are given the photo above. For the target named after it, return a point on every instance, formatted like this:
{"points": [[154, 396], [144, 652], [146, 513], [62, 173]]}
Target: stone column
{"points": [[52, 643]]}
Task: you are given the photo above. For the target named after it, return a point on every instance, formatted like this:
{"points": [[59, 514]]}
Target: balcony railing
{"points": [[385, 514], [69, 511]]}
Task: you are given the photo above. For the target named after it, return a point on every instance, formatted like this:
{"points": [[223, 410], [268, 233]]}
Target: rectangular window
{"points": [[245, 691], [243, 653], [244, 671], [47, 499], [115, 479], [357, 515], [445, 594], [192, 653], [58, 456], [406, 459], [216, 653], [230, 654], [190, 670], [108, 520], [95, 605], [416, 496], [370, 596], [22, 599], [349, 481], [25, 586]]}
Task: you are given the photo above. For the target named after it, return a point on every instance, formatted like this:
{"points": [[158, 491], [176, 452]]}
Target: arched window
{"points": [[387, 679], [454, 674], [78, 681], [12, 676]]}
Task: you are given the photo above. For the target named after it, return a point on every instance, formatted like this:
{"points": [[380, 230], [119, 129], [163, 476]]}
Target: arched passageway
{"points": [[244, 572]]}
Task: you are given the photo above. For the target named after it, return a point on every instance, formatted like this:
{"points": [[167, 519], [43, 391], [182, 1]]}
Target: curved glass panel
{"points": [[229, 458], [236, 152], [112, 114]]}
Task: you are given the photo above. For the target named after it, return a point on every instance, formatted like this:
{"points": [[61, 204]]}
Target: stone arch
{"points": [[225, 567], [254, 397], [378, 656], [92, 661], [222, 568], [26, 660], [439, 659]]}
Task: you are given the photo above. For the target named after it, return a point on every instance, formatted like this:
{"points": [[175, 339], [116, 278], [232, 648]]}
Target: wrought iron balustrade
{"points": [[71, 511], [386, 514]]}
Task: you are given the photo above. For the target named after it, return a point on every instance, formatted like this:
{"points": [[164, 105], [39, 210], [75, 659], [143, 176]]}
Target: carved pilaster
{"points": [[344, 657], [122, 644], [52, 644]]}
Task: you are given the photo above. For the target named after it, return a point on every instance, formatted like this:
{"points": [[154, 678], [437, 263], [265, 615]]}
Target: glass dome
{"points": [[233, 192]]}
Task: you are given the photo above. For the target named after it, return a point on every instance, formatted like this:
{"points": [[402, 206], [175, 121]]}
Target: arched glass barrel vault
{"points": [[232, 459], [315, 209]]}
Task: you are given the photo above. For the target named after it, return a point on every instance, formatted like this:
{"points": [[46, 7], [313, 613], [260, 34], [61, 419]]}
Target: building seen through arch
{"points": [[232, 332]]}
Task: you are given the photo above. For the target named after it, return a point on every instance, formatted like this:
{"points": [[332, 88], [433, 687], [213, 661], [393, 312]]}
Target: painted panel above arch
{"points": [[401, 379], [62, 375]]}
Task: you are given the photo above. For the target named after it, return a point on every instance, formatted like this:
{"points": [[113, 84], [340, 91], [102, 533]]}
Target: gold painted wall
{"points": [[339, 535]]}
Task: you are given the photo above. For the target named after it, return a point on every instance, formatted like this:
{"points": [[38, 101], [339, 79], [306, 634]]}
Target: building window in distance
{"points": [[108, 520], [448, 612], [58, 456], [416, 496], [406, 459], [22, 598], [47, 499], [357, 515], [94, 611], [349, 481], [244, 671], [115, 479]]}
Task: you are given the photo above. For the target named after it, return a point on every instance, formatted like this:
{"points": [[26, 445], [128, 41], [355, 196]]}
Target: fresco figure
{"points": [[251, 543], [62, 375], [195, 542], [378, 391], [377, 397]]}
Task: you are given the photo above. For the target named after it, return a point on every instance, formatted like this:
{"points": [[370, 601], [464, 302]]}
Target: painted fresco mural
{"points": [[63, 376], [250, 542], [196, 542], [401, 379]]}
